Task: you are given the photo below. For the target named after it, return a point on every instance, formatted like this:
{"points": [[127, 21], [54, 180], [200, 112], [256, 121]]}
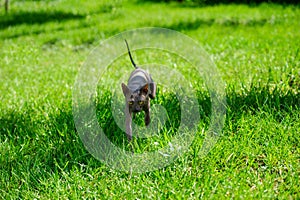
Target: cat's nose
{"points": [[137, 109]]}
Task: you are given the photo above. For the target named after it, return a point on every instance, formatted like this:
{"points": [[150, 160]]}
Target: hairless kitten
{"points": [[138, 92]]}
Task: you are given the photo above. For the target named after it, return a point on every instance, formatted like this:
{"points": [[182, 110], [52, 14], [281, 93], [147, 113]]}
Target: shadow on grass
{"points": [[231, 22], [191, 25], [34, 150], [273, 100], [36, 17], [197, 3], [42, 147]]}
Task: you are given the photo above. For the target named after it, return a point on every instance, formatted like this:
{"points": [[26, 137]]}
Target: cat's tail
{"points": [[130, 55]]}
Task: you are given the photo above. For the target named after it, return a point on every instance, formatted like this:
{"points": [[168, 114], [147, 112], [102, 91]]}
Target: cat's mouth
{"points": [[136, 110]]}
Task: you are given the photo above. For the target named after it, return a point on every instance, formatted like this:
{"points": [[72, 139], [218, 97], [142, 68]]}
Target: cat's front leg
{"points": [[128, 122], [147, 117], [147, 113]]}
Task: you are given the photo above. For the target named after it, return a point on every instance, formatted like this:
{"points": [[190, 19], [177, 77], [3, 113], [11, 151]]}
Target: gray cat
{"points": [[138, 92]]}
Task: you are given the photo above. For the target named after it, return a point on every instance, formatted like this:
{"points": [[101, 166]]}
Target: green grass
{"points": [[256, 49]]}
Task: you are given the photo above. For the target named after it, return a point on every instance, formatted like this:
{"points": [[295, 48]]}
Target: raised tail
{"points": [[130, 55]]}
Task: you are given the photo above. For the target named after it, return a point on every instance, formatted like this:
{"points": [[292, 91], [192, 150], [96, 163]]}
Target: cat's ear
{"points": [[144, 89], [125, 89]]}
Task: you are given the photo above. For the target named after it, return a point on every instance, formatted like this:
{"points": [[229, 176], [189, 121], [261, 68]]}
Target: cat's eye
{"points": [[141, 102], [130, 102]]}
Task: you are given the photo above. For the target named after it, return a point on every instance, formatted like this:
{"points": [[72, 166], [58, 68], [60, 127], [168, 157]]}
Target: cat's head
{"points": [[137, 100]]}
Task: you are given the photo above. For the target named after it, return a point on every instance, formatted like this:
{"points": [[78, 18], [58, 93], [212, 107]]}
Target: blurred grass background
{"points": [[255, 47]]}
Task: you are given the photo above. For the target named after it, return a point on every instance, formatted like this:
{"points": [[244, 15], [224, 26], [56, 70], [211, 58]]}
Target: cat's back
{"points": [[138, 78]]}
